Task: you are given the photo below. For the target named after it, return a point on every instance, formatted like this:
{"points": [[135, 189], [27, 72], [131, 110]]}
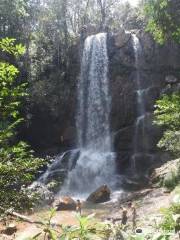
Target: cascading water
{"points": [[140, 144], [138, 53], [93, 96], [95, 165]]}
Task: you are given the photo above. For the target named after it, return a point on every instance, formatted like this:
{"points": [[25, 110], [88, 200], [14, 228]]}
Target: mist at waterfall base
{"points": [[92, 164]]}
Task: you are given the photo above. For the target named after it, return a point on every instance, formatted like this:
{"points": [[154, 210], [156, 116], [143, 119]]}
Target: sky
{"points": [[133, 2]]}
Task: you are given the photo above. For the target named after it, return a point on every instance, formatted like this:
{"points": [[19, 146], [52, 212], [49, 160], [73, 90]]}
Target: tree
{"points": [[17, 163], [163, 19]]}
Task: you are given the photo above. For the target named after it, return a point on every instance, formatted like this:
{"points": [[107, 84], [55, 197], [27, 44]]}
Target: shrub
{"points": [[169, 222], [172, 179]]}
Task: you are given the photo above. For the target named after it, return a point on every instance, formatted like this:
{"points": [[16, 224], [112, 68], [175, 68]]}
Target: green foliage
{"points": [[172, 180], [17, 168], [162, 236], [175, 208], [17, 163], [163, 19], [14, 19], [145, 235], [87, 229], [168, 111], [168, 222], [8, 45], [171, 142], [170, 218], [167, 115]]}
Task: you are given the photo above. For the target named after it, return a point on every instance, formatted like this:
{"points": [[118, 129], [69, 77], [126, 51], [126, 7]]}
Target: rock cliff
{"points": [[52, 128]]}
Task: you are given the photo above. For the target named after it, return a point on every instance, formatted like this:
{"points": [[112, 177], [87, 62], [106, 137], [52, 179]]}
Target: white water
{"points": [[93, 96], [140, 122], [138, 53], [140, 136], [95, 165]]}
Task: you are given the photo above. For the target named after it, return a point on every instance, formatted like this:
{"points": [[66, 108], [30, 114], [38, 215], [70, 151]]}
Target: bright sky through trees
{"points": [[133, 2]]}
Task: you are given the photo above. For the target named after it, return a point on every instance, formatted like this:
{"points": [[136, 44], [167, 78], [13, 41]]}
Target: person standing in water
{"points": [[78, 207], [124, 217], [133, 214]]}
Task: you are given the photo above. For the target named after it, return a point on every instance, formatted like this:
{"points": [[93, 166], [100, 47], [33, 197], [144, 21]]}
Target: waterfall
{"points": [[93, 96], [139, 133], [140, 142], [138, 53], [95, 165]]}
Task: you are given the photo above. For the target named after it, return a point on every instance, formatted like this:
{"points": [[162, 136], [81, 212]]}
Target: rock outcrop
{"points": [[102, 194], [158, 73], [166, 172]]}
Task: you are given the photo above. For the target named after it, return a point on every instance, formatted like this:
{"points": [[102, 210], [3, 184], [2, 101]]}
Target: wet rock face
{"points": [[158, 74], [58, 170]]}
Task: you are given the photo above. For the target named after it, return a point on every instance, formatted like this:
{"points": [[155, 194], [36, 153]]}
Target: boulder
{"points": [[165, 171], [64, 203], [102, 194]]}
